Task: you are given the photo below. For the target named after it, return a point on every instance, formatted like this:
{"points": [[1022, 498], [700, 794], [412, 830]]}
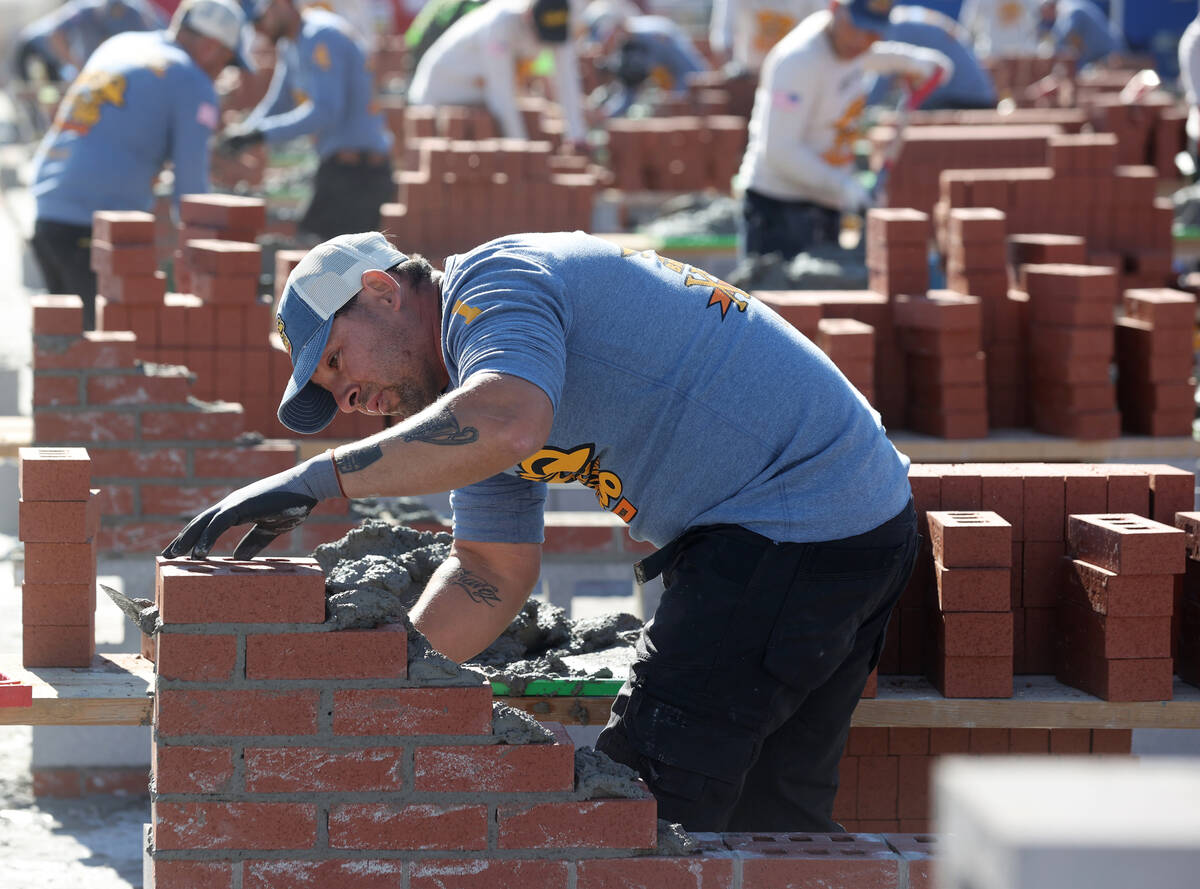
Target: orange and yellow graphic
{"points": [[557, 467], [845, 132], [88, 95], [770, 26], [724, 296]]}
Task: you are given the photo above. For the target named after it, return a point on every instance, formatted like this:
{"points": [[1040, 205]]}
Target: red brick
{"points": [[877, 786], [123, 259], [896, 225], [1002, 492], [940, 310], [257, 461], [913, 786], [1114, 637], [60, 563], [223, 211], [850, 866], [123, 226], [57, 315], [133, 290], [141, 462], [1171, 491], [1118, 595], [1047, 249], [908, 741], [706, 871], [222, 258], [137, 537], [973, 677], [223, 422], [1161, 307], [196, 658], [962, 488], [1112, 740], [845, 803], [1070, 740], [137, 388], [192, 874], [867, 741], [973, 589], [1043, 573], [989, 740], [975, 633], [1128, 490], [359, 873], [918, 851], [401, 826], [225, 590], [323, 769], [1127, 544], [1029, 740], [225, 289], [188, 769], [500, 768], [797, 308], [1125, 679], [947, 740], [973, 225], [230, 825], [58, 521], [58, 604], [233, 713], [95, 427], [1065, 281], [413, 711], [57, 646], [561, 537], [380, 653], [58, 474], [180, 500], [970, 539], [51, 391], [1044, 503], [591, 824]]}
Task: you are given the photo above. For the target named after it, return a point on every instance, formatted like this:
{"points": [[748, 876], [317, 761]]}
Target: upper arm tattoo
{"points": [[442, 429], [358, 457], [475, 586]]}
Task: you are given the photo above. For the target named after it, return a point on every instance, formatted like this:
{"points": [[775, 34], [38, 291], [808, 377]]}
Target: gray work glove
{"points": [[275, 505], [237, 141]]}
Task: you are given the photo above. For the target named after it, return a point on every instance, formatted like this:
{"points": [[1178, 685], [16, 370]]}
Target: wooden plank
{"points": [[563, 708], [115, 690], [1027, 446]]}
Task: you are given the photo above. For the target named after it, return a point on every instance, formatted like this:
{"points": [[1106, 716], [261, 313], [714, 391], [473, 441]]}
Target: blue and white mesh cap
{"points": [[326, 279]]}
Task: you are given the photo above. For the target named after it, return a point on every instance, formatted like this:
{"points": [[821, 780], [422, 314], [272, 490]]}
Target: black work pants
{"points": [[770, 225], [64, 254], [738, 705], [347, 195]]}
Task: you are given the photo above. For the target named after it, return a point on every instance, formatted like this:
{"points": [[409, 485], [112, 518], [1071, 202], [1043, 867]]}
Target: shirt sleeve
{"points": [[570, 90], [720, 26], [500, 509], [195, 120], [278, 97], [327, 62], [500, 75]]}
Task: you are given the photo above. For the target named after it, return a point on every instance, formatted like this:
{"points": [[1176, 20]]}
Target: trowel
{"points": [[143, 612]]}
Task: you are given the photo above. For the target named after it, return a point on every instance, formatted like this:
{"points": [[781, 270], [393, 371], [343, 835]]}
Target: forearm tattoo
{"points": [[359, 457], [442, 429], [475, 586]]}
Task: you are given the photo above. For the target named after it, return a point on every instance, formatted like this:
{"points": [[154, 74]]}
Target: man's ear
{"points": [[380, 286]]}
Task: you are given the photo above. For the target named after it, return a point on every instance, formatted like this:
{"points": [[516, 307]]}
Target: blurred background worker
{"points": [[322, 88], [61, 41], [742, 32], [1189, 83], [798, 170], [640, 51], [432, 22], [483, 58], [970, 86], [1081, 29], [1001, 27], [141, 100]]}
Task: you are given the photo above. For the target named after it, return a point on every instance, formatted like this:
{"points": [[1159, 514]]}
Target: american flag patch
{"points": [[206, 115], [781, 99]]}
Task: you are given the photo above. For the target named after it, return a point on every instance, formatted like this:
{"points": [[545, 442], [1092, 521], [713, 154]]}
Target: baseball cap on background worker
{"points": [[328, 276], [222, 20], [870, 15], [551, 20]]}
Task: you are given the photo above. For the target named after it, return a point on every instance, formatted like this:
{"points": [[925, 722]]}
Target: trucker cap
{"points": [[222, 20], [327, 278], [870, 15]]}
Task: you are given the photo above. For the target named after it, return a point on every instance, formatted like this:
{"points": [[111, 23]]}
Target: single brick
{"points": [[973, 589], [867, 741], [58, 604], [123, 226], [225, 590], [908, 741], [897, 225], [57, 315], [380, 653], [239, 462], [989, 740], [1122, 679], [1070, 740], [1029, 740], [1161, 307], [710, 870], [1043, 503], [216, 422], [1118, 595], [196, 658], [324, 769], [94, 426], [917, 851], [188, 769], [142, 387], [212, 257], [359, 873], [970, 539], [230, 825], [1172, 491], [58, 646], [95, 350], [1112, 740], [54, 474], [123, 259], [940, 310], [973, 225], [1127, 544], [60, 562], [955, 739], [589, 824], [58, 521], [183, 874], [975, 633], [962, 490], [501, 768], [1128, 490], [973, 677], [223, 211], [1114, 637], [233, 713], [913, 786], [1043, 569], [413, 711], [407, 826], [877, 786], [862, 868], [1002, 492]]}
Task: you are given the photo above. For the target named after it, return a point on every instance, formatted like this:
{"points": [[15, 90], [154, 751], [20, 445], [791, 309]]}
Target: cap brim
{"points": [[868, 22], [306, 407]]}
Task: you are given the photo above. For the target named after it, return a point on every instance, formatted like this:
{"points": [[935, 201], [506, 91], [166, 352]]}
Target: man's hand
{"points": [[237, 141], [275, 505], [855, 198]]}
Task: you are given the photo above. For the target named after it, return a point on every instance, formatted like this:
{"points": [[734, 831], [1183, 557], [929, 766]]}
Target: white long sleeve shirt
{"points": [[807, 112], [1189, 74], [746, 30], [1002, 27], [476, 61]]}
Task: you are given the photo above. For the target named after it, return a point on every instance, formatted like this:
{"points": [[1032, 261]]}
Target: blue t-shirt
{"points": [[321, 87], [1080, 27], [970, 85], [139, 102], [87, 23], [659, 47], [678, 399]]}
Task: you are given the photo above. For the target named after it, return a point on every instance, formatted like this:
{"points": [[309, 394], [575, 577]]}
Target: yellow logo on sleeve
{"points": [[468, 313], [321, 57], [557, 467]]}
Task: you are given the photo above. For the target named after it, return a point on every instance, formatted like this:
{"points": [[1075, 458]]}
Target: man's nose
{"points": [[347, 396]]}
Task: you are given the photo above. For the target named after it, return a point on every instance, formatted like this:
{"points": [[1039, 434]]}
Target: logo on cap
{"points": [[287, 344]]}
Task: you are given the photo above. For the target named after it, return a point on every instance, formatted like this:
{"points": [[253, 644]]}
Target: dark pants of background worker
{"points": [[786, 227], [350, 186], [64, 254], [738, 705]]}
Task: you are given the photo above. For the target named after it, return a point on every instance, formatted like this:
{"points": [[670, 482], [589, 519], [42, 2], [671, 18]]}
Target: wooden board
{"points": [[115, 690], [1027, 446]]}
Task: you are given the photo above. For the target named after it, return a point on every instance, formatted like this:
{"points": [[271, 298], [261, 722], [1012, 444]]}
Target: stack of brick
{"points": [[1114, 620], [1071, 343], [1155, 386], [450, 122], [798, 308], [675, 153], [465, 192], [1042, 249], [129, 286], [1013, 74], [884, 774], [973, 623], [850, 345], [941, 335], [1185, 629], [898, 251], [720, 93], [159, 455], [288, 753], [58, 518], [222, 217], [1150, 131]]}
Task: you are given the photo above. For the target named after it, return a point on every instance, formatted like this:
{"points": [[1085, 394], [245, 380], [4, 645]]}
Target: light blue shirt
{"points": [[321, 87], [1082, 28], [87, 23], [969, 85], [678, 399], [139, 102], [665, 51]]}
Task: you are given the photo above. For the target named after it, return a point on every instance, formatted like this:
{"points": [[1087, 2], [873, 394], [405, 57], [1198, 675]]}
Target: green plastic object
{"points": [[577, 688], [699, 242]]}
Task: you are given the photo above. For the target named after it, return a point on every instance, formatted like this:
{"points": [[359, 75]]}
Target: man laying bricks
{"points": [[697, 415]]}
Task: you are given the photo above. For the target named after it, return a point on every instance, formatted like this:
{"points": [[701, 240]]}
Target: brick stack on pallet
{"points": [[1014, 73], [1185, 631], [941, 335], [1151, 131], [1114, 621], [125, 260], [850, 345], [973, 623], [58, 517], [1070, 350], [675, 153], [1155, 387]]}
